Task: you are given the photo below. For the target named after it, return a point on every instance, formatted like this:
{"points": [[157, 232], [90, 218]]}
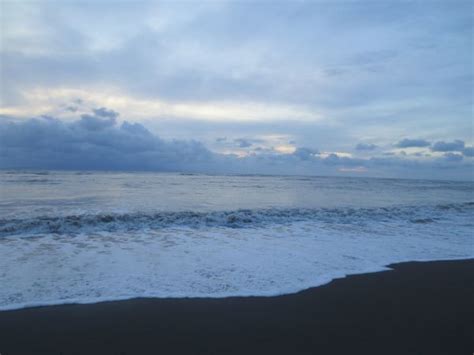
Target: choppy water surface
{"points": [[85, 237]]}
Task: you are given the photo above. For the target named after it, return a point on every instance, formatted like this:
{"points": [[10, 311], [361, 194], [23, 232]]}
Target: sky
{"points": [[361, 88]]}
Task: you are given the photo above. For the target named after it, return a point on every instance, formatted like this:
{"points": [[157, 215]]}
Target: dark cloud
{"points": [[336, 160], [305, 153], [94, 123], [455, 146], [468, 152], [412, 143], [366, 146], [94, 142], [246, 142], [103, 112]]}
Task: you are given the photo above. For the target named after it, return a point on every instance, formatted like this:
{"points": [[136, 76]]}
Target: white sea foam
{"points": [[216, 261]]}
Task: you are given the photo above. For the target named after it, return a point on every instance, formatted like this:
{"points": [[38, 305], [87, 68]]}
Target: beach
{"points": [[416, 308], [236, 177]]}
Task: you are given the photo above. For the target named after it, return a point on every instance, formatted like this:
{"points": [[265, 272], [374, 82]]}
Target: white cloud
{"points": [[46, 101]]}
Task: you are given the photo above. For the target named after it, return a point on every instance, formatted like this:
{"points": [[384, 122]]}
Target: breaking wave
{"points": [[82, 223]]}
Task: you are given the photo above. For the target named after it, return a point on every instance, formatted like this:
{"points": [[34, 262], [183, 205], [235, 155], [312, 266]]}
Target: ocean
{"points": [[83, 237]]}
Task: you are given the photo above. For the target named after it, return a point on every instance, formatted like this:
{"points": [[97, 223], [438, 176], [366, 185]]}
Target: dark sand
{"points": [[419, 308]]}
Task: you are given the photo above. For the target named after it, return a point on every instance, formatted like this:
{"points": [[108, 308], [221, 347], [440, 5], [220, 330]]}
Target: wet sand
{"points": [[416, 308]]}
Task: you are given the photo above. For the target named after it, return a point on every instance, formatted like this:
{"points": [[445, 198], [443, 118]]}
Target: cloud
{"points": [[194, 72], [103, 112], [412, 143], [455, 146], [374, 57], [71, 108], [366, 146], [94, 142], [453, 157], [177, 52], [305, 153], [247, 142], [37, 101], [243, 143], [468, 152], [95, 123], [98, 141]]}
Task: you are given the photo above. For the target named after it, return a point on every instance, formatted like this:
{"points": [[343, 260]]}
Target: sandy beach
{"points": [[236, 177], [416, 308]]}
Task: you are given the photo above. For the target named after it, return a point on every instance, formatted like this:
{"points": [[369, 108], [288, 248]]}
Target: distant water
{"points": [[69, 237]]}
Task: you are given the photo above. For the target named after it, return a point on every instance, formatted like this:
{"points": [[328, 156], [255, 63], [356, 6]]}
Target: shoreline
{"points": [[419, 307], [92, 301]]}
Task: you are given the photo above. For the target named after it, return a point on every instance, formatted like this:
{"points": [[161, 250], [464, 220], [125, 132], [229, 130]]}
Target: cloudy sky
{"points": [[369, 88]]}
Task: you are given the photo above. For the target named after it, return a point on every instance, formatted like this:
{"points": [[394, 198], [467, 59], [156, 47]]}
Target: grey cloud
{"points": [[304, 153], [243, 143], [94, 143], [453, 157], [457, 145], [468, 152], [94, 123], [204, 54], [374, 57], [103, 112], [412, 143], [334, 159], [71, 108], [366, 146], [268, 59], [334, 72], [246, 142]]}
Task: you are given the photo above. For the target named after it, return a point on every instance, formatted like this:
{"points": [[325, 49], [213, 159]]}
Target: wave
{"points": [[31, 181], [74, 224]]}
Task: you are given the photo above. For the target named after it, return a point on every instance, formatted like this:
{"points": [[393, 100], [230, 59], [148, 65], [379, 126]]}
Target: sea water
{"points": [[81, 237]]}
